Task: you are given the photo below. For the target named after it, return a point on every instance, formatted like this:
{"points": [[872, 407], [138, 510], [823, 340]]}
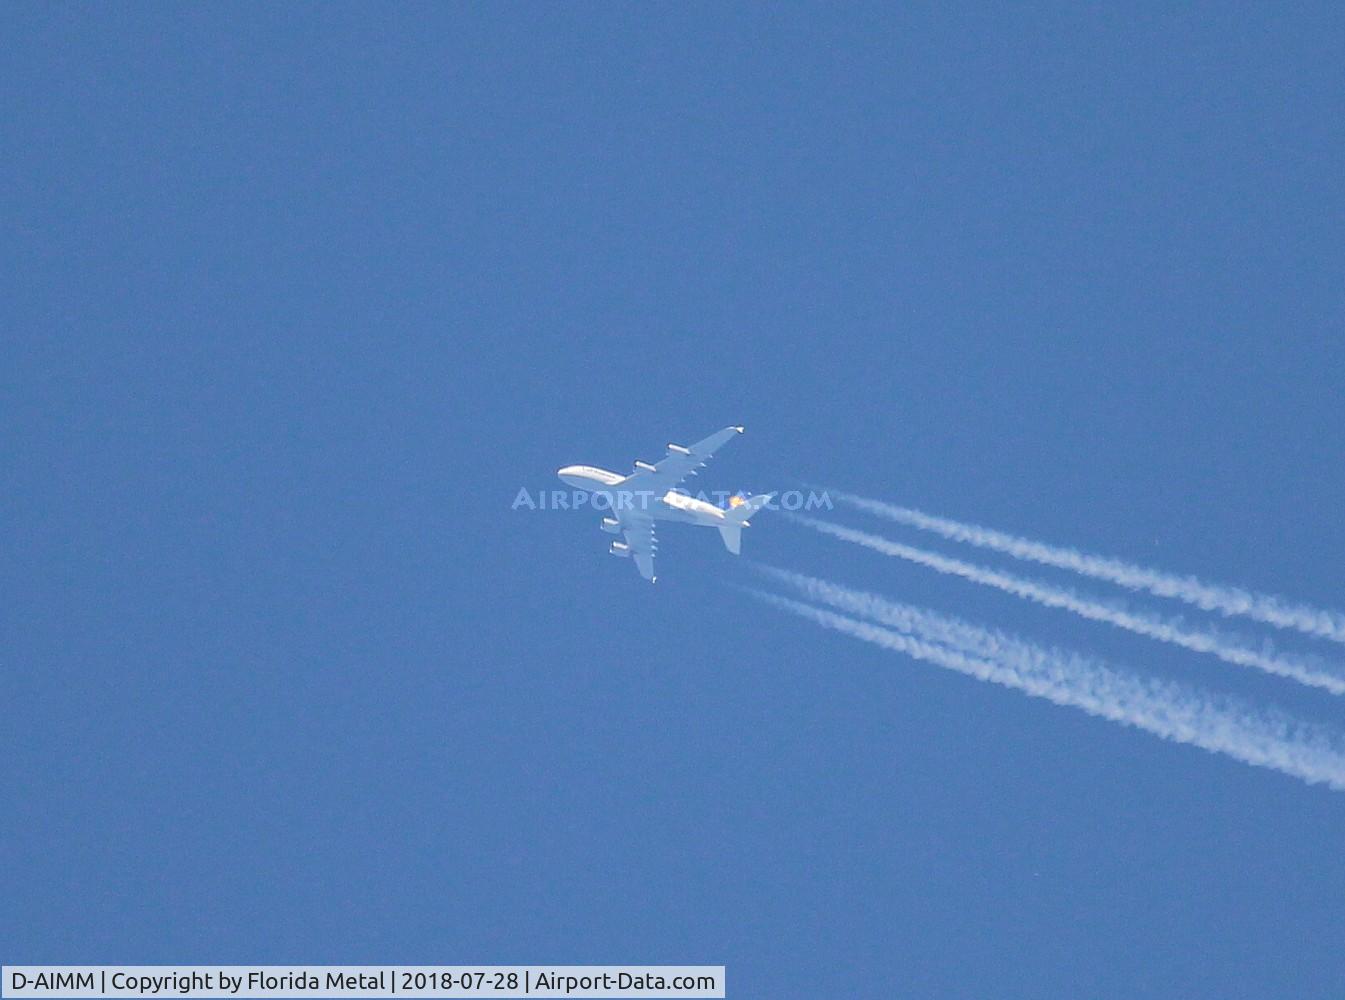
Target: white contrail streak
{"points": [[1305, 670], [1229, 601], [1167, 710]]}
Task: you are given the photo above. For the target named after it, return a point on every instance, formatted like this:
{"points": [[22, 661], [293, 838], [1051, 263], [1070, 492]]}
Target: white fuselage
{"points": [[670, 506]]}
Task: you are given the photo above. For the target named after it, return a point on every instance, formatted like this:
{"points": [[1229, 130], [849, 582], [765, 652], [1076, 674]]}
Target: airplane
{"points": [[650, 494]]}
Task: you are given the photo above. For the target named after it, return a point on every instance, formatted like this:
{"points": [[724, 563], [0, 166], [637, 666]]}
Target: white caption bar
{"points": [[190, 981]]}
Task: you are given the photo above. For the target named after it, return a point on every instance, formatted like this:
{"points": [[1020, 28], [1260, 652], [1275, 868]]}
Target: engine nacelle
{"points": [[679, 449], [611, 525], [620, 549], [645, 467]]}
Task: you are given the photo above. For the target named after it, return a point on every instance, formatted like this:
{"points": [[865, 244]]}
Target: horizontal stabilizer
{"points": [[741, 510]]}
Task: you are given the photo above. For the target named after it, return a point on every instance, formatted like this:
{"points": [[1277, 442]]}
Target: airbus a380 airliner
{"points": [[649, 494]]}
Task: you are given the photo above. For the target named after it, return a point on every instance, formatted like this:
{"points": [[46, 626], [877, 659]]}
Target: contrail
{"points": [[1167, 710], [1229, 601], [1305, 670]]}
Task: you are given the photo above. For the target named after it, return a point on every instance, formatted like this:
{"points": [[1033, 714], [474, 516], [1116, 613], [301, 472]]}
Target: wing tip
{"points": [[740, 428]]}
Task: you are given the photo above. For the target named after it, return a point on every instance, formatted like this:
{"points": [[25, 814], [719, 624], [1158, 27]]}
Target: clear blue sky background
{"points": [[297, 298]]}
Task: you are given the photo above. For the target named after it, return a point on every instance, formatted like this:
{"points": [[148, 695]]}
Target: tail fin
{"points": [[735, 519]]}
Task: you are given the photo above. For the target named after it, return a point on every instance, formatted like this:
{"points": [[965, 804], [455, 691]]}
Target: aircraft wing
{"points": [[679, 463], [639, 532]]}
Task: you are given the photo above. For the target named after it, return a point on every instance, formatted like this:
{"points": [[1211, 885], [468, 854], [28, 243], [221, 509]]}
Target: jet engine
{"points": [[611, 525], [620, 549]]}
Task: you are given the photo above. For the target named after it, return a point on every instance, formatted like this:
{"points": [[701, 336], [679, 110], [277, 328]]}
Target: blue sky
{"points": [[299, 297]]}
